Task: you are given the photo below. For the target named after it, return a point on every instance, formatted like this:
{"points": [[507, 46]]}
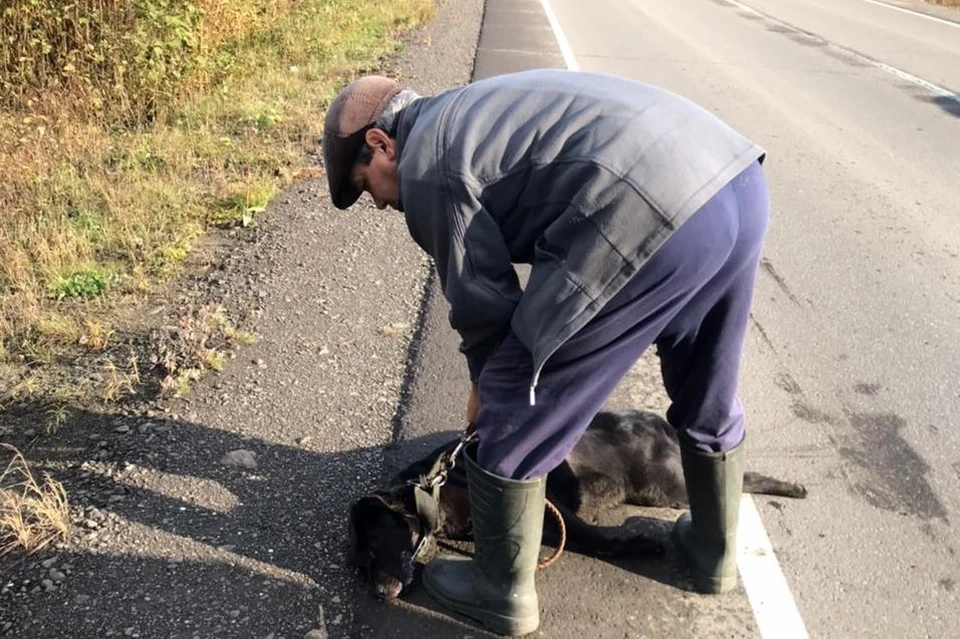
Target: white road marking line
{"points": [[565, 49], [918, 14], [773, 605], [900, 73]]}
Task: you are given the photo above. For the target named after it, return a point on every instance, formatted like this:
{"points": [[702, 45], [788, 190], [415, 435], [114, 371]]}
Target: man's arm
{"points": [[476, 273], [478, 277]]}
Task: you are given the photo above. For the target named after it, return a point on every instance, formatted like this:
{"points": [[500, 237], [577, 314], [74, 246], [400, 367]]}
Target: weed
{"points": [[120, 382], [239, 209], [57, 416], [95, 336], [33, 514], [85, 281], [58, 328]]}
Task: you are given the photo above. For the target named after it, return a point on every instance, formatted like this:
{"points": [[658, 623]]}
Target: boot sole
{"points": [[500, 624]]}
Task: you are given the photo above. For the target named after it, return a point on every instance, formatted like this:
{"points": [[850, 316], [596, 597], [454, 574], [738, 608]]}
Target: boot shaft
{"points": [[508, 519], [714, 487]]}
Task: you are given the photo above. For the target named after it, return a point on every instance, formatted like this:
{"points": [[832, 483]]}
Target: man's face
{"points": [[379, 178]]}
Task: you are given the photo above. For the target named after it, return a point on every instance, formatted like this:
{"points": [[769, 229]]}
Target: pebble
{"points": [[56, 575], [240, 459], [48, 585], [49, 563], [122, 428], [316, 634], [81, 599]]}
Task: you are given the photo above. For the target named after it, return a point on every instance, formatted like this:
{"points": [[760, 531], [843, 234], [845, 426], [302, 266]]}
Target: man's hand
{"points": [[473, 404]]}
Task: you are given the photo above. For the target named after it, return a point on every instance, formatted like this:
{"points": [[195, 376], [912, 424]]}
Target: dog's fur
{"points": [[624, 457]]}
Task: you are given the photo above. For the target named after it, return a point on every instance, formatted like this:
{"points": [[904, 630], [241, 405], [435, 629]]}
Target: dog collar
{"points": [[428, 512]]}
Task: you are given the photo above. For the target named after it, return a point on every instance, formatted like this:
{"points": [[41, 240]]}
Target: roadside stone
{"points": [[56, 575], [48, 585], [49, 563], [241, 458], [122, 428]]}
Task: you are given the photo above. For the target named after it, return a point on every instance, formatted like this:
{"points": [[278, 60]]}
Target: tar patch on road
{"points": [[896, 474]]}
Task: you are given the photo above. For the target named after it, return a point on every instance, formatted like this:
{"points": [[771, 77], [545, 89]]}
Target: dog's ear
{"points": [[400, 500], [365, 512]]}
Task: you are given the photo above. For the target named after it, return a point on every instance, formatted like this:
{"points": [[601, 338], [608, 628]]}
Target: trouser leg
{"points": [[700, 348]]}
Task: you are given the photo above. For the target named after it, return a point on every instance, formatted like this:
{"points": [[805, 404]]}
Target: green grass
{"points": [[105, 187]]}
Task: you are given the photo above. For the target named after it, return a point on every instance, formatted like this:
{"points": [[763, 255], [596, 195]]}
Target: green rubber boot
{"points": [[707, 535], [496, 586]]}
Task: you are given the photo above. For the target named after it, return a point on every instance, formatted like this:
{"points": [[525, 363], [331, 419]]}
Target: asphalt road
{"points": [[852, 363]]}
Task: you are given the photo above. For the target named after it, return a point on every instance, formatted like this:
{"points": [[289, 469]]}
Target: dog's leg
{"points": [[755, 483], [595, 541]]}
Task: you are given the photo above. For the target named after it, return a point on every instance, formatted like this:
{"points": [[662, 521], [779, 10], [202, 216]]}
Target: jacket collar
{"points": [[406, 120]]}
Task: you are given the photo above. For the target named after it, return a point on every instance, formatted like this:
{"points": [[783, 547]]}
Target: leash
{"points": [[546, 563], [427, 497]]}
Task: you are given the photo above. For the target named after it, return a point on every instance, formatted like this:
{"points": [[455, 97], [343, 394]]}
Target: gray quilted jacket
{"points": [[581, 175]]}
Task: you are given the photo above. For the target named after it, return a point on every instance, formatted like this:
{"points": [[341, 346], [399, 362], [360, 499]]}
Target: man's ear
{"points": [[377, 139]]}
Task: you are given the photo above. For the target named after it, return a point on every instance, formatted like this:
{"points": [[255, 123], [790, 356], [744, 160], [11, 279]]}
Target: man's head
{"points": [[358, 151]]}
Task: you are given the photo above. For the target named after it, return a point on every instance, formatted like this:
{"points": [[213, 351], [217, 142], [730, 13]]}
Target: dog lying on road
{"points": [[624, 457]]}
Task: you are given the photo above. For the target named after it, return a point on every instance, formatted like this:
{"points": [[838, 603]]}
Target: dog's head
{"points": [[384, 531]]}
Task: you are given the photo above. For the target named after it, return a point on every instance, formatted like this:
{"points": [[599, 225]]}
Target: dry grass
{"points": [[33, 514], [105, 185]]}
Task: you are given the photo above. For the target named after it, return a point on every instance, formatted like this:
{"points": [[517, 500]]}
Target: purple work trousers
{"points": [[691, 298]]}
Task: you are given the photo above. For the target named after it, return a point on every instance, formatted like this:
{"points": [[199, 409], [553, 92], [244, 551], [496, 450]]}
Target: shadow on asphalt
{"points": [[232, 552]]}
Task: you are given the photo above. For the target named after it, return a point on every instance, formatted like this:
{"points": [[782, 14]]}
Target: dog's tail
{"points": [[755, 483]]}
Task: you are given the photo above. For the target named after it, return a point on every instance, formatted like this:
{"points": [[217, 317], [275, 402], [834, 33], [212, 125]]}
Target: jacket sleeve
{"points": [[472, 260]]}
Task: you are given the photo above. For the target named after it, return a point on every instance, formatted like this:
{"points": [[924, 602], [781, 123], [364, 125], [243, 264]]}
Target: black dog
{"points": [[624, 457]]}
